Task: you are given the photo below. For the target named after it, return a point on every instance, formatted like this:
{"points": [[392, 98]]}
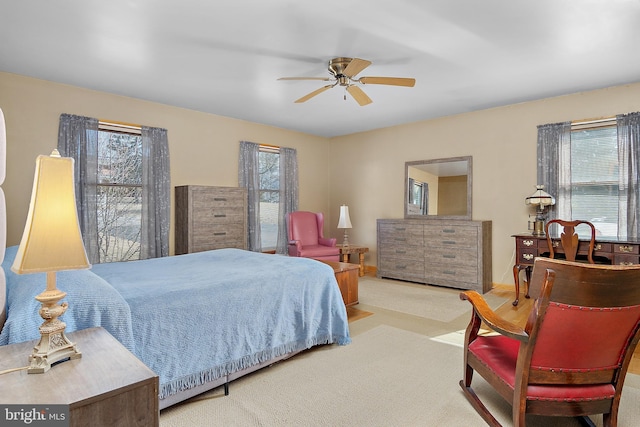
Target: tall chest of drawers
{"points": [[210, 218], [456, 254]]}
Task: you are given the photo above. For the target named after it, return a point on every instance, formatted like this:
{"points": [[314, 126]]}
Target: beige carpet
{"points": [[430, 302], [386, 377]]}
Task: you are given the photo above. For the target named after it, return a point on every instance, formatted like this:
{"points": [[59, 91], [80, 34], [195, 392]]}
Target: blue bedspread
{"points": [[197, 317]]}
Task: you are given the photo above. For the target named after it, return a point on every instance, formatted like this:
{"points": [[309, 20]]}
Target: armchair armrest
{"points": [[295, 243], [482, 311], [324, 241]]}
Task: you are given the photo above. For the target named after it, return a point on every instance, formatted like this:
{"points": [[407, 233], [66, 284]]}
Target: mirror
{"points": [[438, 188]]}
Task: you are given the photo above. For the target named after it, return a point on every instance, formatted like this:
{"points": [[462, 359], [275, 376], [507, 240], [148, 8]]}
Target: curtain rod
{"points": [[592, 121], [123, 124]]}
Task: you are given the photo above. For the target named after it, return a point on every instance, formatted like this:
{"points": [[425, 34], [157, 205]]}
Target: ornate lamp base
{"points": [[345, 241], [54, 344]]}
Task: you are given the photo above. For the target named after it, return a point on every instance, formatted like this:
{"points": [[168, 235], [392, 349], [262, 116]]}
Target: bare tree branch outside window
{"points": [[119, 196]]}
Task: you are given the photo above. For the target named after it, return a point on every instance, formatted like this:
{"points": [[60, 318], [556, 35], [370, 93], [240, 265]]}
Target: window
{"points": [[269, 171], [594, 175], [119, 192]]}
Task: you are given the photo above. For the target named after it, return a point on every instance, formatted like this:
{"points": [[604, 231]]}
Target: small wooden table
{"points": [[346, 251], [347, 278], [107, 386]]}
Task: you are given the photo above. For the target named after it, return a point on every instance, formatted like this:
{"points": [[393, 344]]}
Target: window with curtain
{"points": [[122, 187], [591, 167], [270, 175]]}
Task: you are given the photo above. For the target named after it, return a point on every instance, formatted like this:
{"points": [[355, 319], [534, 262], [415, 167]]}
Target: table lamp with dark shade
{"points": [[51, 242], [541, 199]]}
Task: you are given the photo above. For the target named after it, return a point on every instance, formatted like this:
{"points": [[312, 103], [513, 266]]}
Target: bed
{"points": [[198, 320]]}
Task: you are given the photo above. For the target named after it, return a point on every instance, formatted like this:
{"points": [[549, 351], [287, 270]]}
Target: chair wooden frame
{"points": [[569, 239], [572, 356]]}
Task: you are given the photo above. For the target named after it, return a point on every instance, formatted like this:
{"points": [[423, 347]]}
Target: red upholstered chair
{"points": [[572, 356], [306, 237]]}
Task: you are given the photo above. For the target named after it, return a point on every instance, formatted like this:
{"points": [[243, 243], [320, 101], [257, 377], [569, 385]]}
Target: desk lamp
{"points": [[344, 222], [541, 199], [51, 242]]}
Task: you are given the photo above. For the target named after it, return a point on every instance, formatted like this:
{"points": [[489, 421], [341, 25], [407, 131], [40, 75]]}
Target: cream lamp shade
{"points": [[52, 240], [344, 221], [540, 197]]}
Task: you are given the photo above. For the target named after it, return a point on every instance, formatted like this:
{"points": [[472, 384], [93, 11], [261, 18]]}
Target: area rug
{"points": [[387, 376], [431, 302]]}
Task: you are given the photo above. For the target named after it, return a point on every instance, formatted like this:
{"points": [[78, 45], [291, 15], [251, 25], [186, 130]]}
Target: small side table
{"points": [[346, 251], [107, 386]]}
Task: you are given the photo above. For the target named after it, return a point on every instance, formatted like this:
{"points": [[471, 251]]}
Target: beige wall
{"points": [[364, 171], [203, 147], [367, 169]]}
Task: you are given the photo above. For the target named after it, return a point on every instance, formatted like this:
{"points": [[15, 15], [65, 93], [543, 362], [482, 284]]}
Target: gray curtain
{"points": [[554, 148], [156, 197], [628, 130], [288, 195], [78, 138], [249, 178]]}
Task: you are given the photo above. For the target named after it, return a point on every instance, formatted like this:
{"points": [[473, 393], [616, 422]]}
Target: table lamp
{"points": [[344, 222], [51, 242], [541, 199]]}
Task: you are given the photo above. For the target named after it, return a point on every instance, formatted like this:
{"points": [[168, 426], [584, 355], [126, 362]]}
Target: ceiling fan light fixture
{"points": [[343, 71]]}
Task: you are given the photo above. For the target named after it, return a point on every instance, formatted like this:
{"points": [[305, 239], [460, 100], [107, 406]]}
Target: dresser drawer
{"points": [[526, 243], [624, 248], [401, 268], [402, 251], [456, 276], [218, 215], [626, 259], [442, 236], [455, 256], [401, 234], [215, 233]]}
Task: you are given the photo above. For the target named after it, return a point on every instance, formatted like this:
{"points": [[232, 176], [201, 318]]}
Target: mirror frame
{"points": [[469, 161]]}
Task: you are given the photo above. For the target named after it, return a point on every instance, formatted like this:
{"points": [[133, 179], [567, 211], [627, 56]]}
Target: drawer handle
{"points": [[555, 244], [449, 242], [448, 230], [401, 267], [448, 256], [597, 247], [625, 248], [528, 257], [527, 242], [400, 228], [453, 273], [220, 199], [401, 239], [220, 216], [626, 263], [400, 251], [220, 233]]}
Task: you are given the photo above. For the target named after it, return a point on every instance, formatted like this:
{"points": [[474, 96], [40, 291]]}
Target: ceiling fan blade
{"points": [[324, 79], [394, 81], [358, 94], [312, 94], [355, 66]]}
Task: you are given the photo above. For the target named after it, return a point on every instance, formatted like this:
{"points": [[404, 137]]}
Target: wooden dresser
{"points": [[210, 218], [454, 253]]}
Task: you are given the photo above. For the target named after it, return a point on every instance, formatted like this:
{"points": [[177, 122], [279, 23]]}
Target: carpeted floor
{"points": [[431, 302], [397, 371]]}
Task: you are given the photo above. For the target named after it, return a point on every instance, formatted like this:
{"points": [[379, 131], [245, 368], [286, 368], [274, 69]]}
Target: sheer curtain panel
{"points": [[554, 149], [288, 195], [249, 177], [628, 131]]}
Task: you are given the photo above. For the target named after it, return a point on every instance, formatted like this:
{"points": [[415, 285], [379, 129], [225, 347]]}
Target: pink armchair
{"points": [[306, 237]]}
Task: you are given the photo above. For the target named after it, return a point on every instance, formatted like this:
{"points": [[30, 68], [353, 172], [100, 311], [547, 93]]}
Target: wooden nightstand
{"points": [[346, 251], [107, 386]]}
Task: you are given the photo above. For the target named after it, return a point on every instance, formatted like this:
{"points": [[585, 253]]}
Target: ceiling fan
{"points": [[343, 72]]}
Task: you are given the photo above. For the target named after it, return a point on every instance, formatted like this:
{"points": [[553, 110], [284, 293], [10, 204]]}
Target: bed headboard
{"points": [[3, 218]]}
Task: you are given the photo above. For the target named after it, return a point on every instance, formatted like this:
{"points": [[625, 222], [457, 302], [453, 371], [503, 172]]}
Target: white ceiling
{"points": [[224, 57]]}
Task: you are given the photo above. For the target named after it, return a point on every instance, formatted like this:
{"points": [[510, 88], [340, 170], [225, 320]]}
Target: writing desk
{"points": [[606, 251]]}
